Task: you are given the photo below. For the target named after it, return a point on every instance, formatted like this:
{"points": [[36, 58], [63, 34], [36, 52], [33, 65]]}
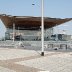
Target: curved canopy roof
{"points": [[29, 22]]}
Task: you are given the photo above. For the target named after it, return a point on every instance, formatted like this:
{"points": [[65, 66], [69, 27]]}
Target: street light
{"points": [[42, 26], [33, 4]]}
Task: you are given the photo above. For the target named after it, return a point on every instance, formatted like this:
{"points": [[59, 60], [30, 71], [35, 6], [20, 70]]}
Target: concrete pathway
{"points": [[22, 60]]}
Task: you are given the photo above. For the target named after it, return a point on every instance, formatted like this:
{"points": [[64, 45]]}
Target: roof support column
{"points": [[13, 32], [57, 33]]}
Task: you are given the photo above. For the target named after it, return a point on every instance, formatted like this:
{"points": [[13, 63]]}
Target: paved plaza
{"points": [[30, 60]]}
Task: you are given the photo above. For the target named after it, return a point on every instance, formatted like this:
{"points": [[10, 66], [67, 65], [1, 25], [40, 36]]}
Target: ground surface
{"points": [[30, 60]]}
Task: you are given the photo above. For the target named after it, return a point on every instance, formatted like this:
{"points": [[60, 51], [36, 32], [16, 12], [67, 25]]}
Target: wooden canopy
{"points": [[29, 22]]}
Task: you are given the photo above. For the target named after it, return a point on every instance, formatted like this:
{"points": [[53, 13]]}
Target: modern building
{"points": [[61, 37], [28, 27]]}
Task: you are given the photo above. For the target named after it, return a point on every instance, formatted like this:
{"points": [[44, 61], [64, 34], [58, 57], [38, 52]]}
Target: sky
{"points": [[52, 8]]}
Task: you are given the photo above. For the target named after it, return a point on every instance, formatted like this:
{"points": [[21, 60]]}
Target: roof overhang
{"points": [[28, 22]]}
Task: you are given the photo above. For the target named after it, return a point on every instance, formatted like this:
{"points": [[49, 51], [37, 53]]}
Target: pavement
{"points": [[29, 60]]}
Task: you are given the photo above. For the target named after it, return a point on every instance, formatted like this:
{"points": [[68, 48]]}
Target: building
{"points": [[28, 27]]}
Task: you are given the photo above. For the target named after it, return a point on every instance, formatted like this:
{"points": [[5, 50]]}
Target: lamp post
{"points": [[42, 26], [33, 8]]}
